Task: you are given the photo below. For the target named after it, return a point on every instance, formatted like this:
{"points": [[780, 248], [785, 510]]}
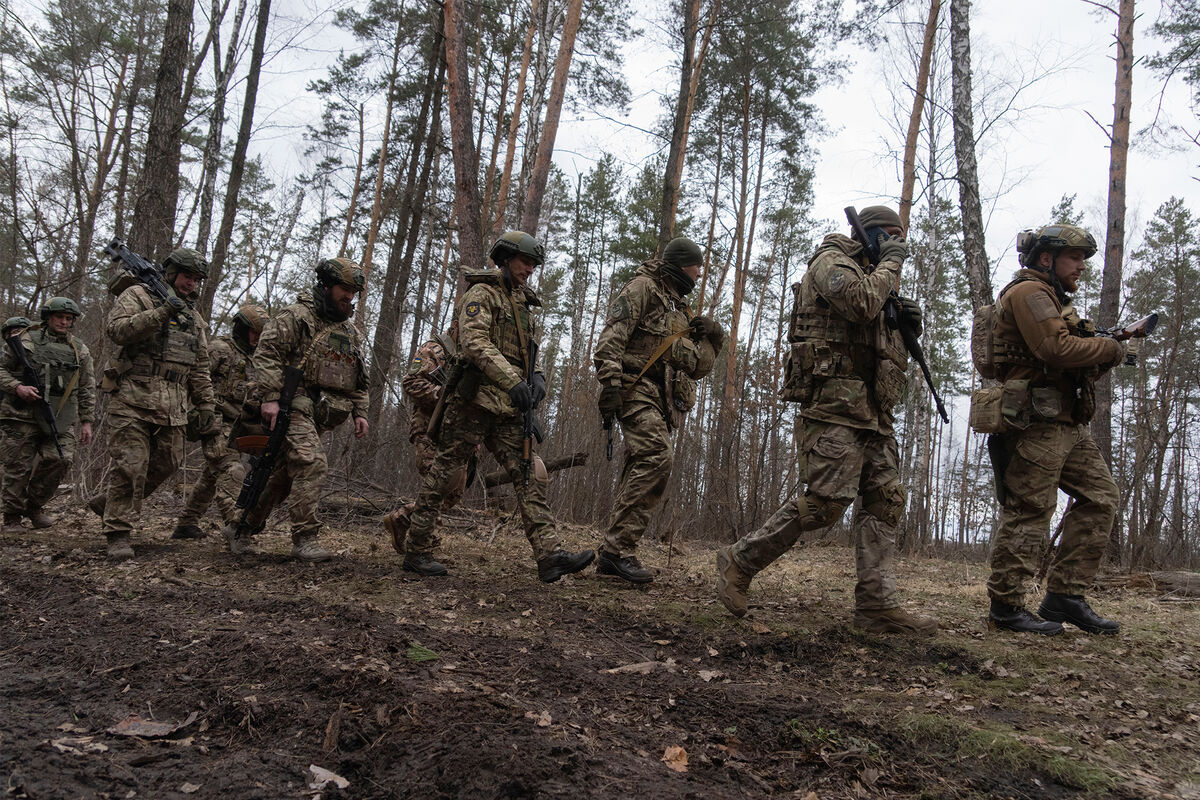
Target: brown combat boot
{"points": [[97, 503], [396, 524], [305, 548], [12, 524], [119, 548], [894, 620], [41, 519], [732, 583]]}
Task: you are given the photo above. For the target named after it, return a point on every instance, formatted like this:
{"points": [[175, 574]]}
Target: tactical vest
{"points": [[657, 335], [333, 363], [1004, 353], [169, 354], [824, 345], [58, 364], [231, 386], [507, 331]]}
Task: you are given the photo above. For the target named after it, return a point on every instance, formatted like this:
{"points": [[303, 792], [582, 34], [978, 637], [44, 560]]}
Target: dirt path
{"points": [[489, 684]]}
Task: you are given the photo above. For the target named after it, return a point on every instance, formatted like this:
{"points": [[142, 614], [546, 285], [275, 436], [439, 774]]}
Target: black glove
{"points": [[892, 248], [703, 327], [176, 305], [610, 401], [910, 314], [521, 396], [538, 385]]}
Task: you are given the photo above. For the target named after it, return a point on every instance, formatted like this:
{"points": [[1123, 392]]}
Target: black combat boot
{"points": [[187, 532], [424, 565], [1016, 618], [560, 562], [628, 568], [1074, 609], [97, 503]]}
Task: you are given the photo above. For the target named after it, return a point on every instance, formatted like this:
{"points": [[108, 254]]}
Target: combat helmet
{"points": [[517, 243], [333, 271], [185, 259], [12, 323], [57, 305], [1053, 238], [251, 317]]}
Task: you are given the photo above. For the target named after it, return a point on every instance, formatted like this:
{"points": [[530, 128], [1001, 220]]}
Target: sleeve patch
{"points": [[1041, 306], [472, 309], [620, 309], [837, 284]]}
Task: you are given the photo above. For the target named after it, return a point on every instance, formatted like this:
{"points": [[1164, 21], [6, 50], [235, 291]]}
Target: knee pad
{"points": [[886, 503], [539, 471], [822, 511]]}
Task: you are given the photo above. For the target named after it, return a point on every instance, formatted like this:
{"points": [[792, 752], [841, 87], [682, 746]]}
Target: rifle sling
{"points": [[666, 345], [71, 384]]}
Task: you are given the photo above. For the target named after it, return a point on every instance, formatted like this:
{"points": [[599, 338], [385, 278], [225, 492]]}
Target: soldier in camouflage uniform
{"points": [[1044, 349], [421, 387], [497, 387], [651, 353], [316, 335], [846, 369], [33, 468], [229, 362], [159, 370]]}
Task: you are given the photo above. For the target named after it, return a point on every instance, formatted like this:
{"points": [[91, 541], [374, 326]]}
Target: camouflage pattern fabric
{"points": [[422, 391], [649, 455], [840, 464], [142, 456], [32, 468], [298, 477], [489, 337]]}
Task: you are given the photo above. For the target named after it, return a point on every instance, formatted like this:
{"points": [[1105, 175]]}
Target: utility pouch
{"points": [[683, 391], [825, 362], [1015, 404], [797, 374], [986, 416], [1047, 403], [889, 383], [331, 410]]}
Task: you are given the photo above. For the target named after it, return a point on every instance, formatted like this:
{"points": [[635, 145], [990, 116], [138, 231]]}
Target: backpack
{"points": [[983, 341]]}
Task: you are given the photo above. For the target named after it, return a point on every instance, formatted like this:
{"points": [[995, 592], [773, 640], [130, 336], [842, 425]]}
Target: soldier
{"points": [[487, 406], [846, 369], [421, 387], [649, 357], [1043, 348], [159, 370], [316, 335], [14, 325], [33, 467], [229, 365]]}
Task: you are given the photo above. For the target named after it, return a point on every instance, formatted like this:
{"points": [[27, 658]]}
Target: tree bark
{"points": [[467, 205], [514, 125], [918, 108]]}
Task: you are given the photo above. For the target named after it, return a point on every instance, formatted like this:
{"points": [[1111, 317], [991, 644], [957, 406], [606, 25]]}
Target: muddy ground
{"points": [[490, 684]]}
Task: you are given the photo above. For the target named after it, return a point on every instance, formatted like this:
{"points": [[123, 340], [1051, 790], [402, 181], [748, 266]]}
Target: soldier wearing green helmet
{"points": [[33, 468], [15, 324], [488, 405], [1044, 353], [316, 334], [229, 367], [158, 376]]}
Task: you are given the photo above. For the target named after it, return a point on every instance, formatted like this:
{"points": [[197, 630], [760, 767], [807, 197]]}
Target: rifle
{"points": [[608, 432], [32, 378], [1133, 332], [142, 270], [891, 313], [261, 466], [532, 430], [449, 386]]}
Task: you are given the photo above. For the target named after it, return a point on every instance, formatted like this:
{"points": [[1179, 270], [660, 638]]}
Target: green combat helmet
{"points": [[185, 259], [252, 315], [57, 305], [12, 323], [1052, 238], [331, 271], [517, 243]]}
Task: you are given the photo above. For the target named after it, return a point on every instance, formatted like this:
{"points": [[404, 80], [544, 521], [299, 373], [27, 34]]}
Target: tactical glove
{"points": [[521, 396], [708, 328], [892, 248], [538, 384], [610, 401], [910, 315], [176, 305]]}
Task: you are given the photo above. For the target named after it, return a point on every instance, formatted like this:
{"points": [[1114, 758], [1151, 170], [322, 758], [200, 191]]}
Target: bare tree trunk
{"points": [[467, 205], [513, 126], [979, 278], [356, 187], [157, 191], [237, 164], [914, 119], [541, 167]]}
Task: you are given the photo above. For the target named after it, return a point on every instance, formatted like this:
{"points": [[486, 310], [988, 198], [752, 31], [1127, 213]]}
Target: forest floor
{"points": [[187, 673]]}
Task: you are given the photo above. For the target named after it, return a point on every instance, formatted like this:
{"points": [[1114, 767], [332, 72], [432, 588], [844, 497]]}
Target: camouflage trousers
{"points": [[32, 467], [142, 455], [839, 464], [648, 458], [1043, 458], [464, 428], [426, 452], [221, 479], [299, 475]]}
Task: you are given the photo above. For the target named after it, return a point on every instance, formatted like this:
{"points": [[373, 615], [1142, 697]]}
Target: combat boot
{"points": [[424, 565], [396, 524], [628, 568], [732, 583], [552, 567], [1074, 609], [187, 532], [239, 543], [305, 548], [12, 523], [1016, 618], [894, 620], [97, 504], [119, 548], [40, 519]]}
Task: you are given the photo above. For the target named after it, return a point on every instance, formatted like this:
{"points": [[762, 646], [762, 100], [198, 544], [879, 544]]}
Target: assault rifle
{"points": [[1133, 331], [31, 378], [891, 312], [532, 430], [261, 466], [142, 270]]}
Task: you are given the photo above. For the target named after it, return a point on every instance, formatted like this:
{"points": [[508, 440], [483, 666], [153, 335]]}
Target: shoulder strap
{"points": [[71, 384], [521, 333], [666, 343]]}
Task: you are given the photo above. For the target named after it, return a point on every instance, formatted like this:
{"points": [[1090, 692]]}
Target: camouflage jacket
{"points": [[853, 346], [489, 336], [420, 389], [1061, 351], [162, 365], [646, 313], [231, 375], [334, 386], [43, 347]]}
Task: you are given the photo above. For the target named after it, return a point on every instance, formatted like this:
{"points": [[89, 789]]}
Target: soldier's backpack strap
{"points": [[666, 344], [316, 339]]}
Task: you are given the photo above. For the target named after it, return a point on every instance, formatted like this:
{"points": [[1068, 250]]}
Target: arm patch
{"points": [[1041, 306]]}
